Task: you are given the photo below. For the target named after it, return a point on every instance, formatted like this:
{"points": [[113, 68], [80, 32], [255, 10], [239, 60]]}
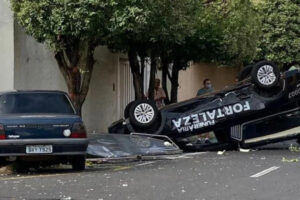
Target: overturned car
{"points": [[263, 107]]}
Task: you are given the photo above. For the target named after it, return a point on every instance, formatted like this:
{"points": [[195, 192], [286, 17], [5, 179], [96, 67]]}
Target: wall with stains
{"points": [[191, 80], [6, 47]]}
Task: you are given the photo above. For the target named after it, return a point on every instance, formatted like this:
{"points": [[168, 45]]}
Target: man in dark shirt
{"points": [[207, 87]]}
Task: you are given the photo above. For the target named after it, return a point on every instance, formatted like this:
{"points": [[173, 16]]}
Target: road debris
{"points": [[114, 146], [66, 198], [289, 160], [221, 152], [293, 148], [89, 163], [6, 170], [244, 150]]}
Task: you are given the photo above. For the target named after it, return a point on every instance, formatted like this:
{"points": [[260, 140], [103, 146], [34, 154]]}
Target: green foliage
{"points": [[59, 22], [149, 24], [280, 40], [242, 31], [126, 24], [227, 32], [211, 31]]}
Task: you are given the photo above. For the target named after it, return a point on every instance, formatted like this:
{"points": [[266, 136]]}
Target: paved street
{"points": [[269, 173]]}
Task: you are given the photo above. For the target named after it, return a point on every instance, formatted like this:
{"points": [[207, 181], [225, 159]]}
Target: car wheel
{"points": [[21, 166], [143, 114], [78, 163], [127, 108], [265, 75]]}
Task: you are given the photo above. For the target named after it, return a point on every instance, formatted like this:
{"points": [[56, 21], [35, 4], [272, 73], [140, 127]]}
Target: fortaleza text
{"points": [[208, 118]]}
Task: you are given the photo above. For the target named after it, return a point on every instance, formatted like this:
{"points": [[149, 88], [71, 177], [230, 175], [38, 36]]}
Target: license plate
{"points": [[32, 149]]}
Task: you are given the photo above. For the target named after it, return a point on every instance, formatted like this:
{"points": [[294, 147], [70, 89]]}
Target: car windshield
{"points": [[25, 103]]}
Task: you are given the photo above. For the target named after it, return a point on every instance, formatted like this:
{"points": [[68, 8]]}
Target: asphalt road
{"points": [[268, 173]]}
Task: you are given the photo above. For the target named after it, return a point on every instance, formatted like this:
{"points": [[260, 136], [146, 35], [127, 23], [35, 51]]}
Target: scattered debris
{"points": [[244, 150], [66, 198], [6, 170], [115, 146], [293, 148], [89, 163], [289, 160], [221, 152]]}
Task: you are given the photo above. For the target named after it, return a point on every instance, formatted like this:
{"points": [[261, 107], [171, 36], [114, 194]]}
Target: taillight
{"points": [[2, 132], [78, 131]]}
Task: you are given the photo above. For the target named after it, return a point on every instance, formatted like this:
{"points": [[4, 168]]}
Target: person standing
{"points": [[207, 87], [159, 94]]}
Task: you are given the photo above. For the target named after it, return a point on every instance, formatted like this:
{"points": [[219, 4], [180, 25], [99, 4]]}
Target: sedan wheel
{"points": [[143, 113], [78, 163], [265, 75]]}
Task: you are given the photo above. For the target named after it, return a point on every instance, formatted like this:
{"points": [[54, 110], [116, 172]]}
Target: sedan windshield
{"points": [[30, 103]]}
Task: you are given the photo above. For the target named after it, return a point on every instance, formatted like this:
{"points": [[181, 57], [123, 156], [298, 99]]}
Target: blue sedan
{"points": [[41, 127]]}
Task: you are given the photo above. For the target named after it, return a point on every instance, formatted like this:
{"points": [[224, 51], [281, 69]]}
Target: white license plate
{"points": [[39, 149]]}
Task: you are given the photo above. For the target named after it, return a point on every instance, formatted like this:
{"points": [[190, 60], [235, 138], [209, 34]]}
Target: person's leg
{"points": [[206, 139]]}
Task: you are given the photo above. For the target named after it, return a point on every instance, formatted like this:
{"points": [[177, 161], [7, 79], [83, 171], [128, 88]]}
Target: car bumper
{"points": [[60, 146]]}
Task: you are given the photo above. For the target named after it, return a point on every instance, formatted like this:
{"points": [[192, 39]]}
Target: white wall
{"points": [[6, 47], [191, 80], [100, 108], [36, 68]]}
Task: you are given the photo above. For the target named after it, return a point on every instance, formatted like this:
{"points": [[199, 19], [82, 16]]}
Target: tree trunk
{"points": [[174, 81], [143, 73], [164, 78], [76, 64], [152, 78], [137, 77]]}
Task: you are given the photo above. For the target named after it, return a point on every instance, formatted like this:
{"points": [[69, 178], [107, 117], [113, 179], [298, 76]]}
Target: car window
{"points": [[22, 103]]}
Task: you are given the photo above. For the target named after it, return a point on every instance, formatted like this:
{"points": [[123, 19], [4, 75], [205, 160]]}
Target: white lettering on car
{"points": [[211, 114], [228, 110], [220, 114], [187, 120], [246, 106], [195, 118], [203, 115], [177, 122], [207, 118], [237, 108], [294, 93]]}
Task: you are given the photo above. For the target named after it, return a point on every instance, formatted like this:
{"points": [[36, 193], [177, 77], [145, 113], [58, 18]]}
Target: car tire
{"points": [[127, 108], [21, 166], [265, 75], [78, 163], [143, 114]]}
